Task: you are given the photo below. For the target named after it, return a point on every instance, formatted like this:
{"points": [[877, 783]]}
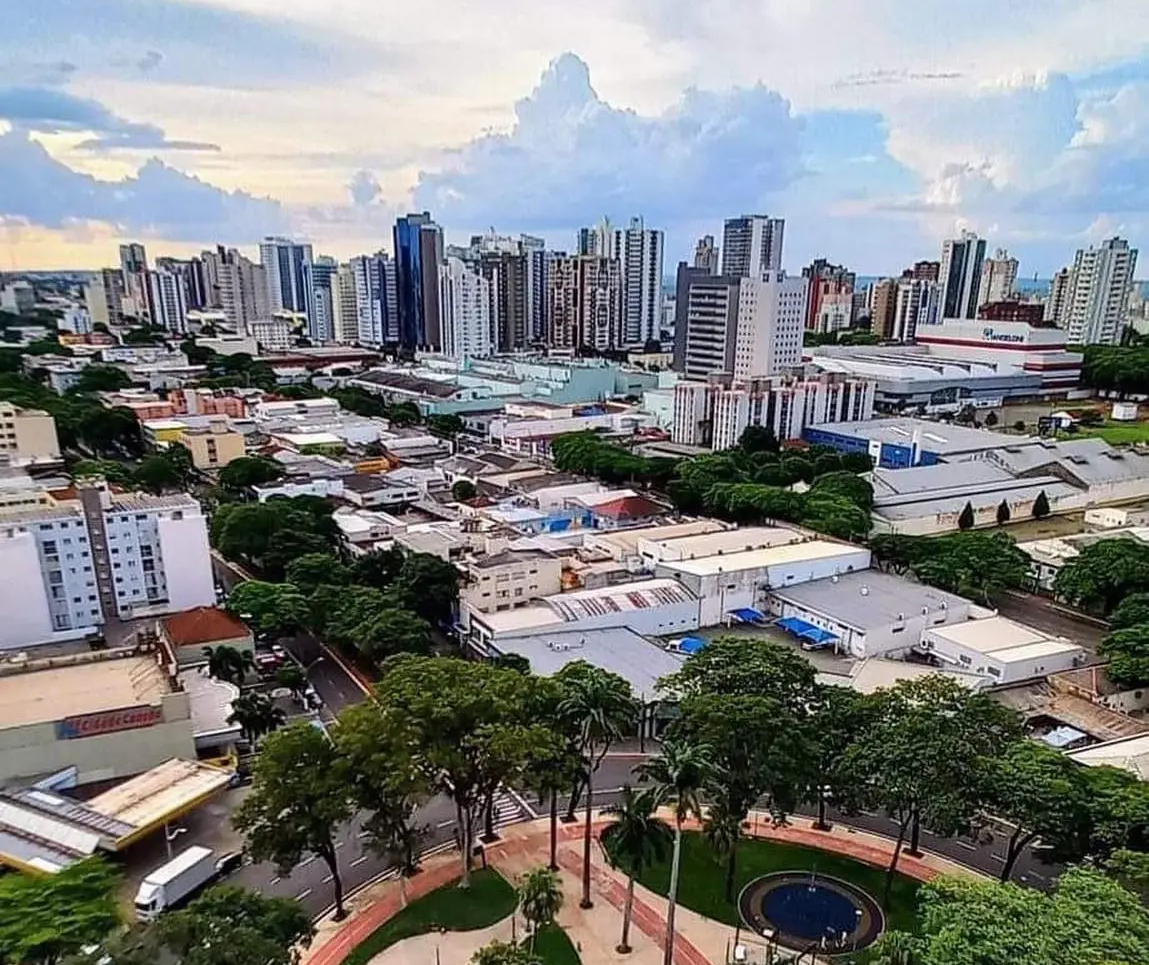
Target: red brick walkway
{"points": [[533, 840]]}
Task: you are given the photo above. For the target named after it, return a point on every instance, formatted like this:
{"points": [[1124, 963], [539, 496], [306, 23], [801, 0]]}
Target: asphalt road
{"points": [[1042, 613], [310, 883]]}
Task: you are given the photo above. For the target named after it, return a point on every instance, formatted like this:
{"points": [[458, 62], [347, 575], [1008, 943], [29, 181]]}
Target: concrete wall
{"points": [[34, 749], [23, 598], [187, 562]]}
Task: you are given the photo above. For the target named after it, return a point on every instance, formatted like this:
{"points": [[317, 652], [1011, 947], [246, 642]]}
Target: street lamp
{"points": [[170, 834]]}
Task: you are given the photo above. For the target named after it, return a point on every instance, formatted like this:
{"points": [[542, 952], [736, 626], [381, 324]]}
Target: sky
{"points": [[875, 127]]}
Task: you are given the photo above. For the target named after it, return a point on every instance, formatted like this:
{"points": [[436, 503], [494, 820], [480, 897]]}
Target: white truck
{"points": [[172, 882]]}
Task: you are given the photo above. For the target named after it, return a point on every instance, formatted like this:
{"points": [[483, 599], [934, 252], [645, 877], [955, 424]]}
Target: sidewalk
{"points": [[596, 931]]}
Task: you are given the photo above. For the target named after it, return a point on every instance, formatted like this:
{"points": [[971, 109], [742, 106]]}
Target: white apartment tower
{"points": [[917, 304], [283, 263], [72, 566], [376, 298], [752, 245], [639, 252], [236, 286], [998, 278], [960, 275], [1100, 283], [771, 321], [167, 300], [465, 306], [344, 307], [1058, 297]]}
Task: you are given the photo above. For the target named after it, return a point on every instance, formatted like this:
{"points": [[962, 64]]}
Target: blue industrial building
{"points": [[901, 443]]}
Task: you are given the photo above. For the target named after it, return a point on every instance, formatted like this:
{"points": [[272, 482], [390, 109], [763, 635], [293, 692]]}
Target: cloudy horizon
{"points": [[875, 127]]}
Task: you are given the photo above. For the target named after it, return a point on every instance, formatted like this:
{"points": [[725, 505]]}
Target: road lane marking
{"points": [[303, 894], [276, 880], [328, 879], [440, 825], [306, 861], [966, 845], [359, 861], [339, 844], [998, 857]]}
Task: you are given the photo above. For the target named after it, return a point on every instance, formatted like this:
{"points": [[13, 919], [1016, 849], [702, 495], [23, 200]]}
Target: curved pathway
{"points": [[700, 941]]}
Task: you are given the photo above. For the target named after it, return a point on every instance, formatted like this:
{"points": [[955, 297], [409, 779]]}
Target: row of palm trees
{"points": [[637, 838], [254, 712]]}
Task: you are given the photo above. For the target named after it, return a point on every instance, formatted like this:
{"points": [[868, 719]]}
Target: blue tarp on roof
{"points": [[691, 645], [747, 615], [807, 631]]}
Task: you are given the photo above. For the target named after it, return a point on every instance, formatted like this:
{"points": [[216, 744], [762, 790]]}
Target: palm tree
{"points": [[540, 898], [637, 838], [678, 776], [723, 830], [598, 708], [291, 676], [228, 664], [256, 715]]}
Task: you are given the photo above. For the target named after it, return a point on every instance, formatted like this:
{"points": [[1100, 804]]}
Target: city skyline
{"points": [[1026, 126]]}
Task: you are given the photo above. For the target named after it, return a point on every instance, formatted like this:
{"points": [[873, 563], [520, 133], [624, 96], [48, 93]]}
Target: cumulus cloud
{"points": [[364, 188], [570, 155], [54, 111], [157, 201]]}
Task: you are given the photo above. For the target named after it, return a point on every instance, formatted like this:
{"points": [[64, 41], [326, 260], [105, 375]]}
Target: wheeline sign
{"points": [[991, 336], [108, 722]]}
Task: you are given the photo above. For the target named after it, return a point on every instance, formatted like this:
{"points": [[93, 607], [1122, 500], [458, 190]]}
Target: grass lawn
{"points": [[553, 947], [702, 880], [489, 900], [1115, 433]]}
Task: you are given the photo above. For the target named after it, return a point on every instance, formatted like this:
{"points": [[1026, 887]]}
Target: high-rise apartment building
{"points": [[27, 435], [376, 298], [584, 293], [752, 245], [924, 271], [284, 264], [998, 278], [506, 275], [167, 300], [828, 281], [1100, 283], [345, 309], [104, 297], [1058, 297], [599, 240], [883, 302], [235, 285], [705, 322], [319, 281], [191, 270], [134, 271], [418, 255], [465, 304], [771, 322], [639, 251], [706, 254], [916, 305], [536, 255], [75, 564], [960, 275]]}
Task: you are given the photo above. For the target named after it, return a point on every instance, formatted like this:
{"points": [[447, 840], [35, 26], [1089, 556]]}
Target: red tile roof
{"points": [[203, 625], [629, 507]]}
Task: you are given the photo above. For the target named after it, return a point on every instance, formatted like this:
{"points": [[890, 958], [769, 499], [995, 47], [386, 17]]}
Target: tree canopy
{"points": [[247, 471], [975, 564], [271, 534], [1104, 573]]}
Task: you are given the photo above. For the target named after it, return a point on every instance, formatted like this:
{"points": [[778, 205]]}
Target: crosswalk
{"points": [[507, 810]]}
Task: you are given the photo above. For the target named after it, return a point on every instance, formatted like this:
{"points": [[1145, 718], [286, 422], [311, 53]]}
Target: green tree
{"points": [[228, 664], [966, 518], [388, 781], [112, 471], [298, 801], [554, 764], [840, 714], [1041, 793], [101, 378], [389, 631], [430, 585], [678, 776], [1002, 510], [1130, 612], [1088, 920], [241, 474], [1104, 573], [990, 420], [110, 432], [446, 426], [972, 564], [271, 534], [379, 568], [44, 919], [270, 609], [758, 439], [463, 490], [292, 677], [256, 715], [1041, 507], [927, 755], [470, 725], [540, 899], [1128, 654], [233, 926], [158, 474], [314, 569], [597, 709], [504, 953]]}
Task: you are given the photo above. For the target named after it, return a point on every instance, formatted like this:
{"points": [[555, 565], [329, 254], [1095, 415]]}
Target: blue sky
{"points": [[876, 127]]}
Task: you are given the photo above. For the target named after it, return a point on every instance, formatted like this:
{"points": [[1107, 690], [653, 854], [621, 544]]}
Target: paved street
{"points": [[1042, 613]]}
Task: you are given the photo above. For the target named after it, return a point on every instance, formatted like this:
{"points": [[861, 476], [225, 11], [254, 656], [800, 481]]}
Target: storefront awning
{"points": [[747, 614]]}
